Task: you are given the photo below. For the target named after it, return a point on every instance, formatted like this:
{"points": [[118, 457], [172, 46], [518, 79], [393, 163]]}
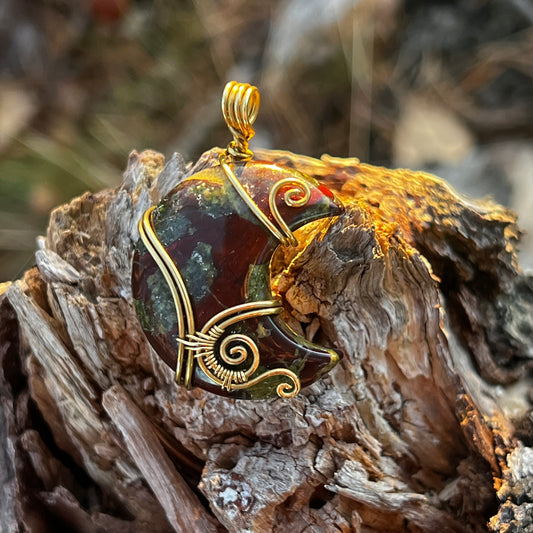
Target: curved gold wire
{"points": [[284, 390], [182, 302], [240, 105], [254, 208], [235, 314], [301, 190]]}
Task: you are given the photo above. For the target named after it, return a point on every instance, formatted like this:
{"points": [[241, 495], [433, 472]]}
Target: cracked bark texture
{"points": [[424, 425]]}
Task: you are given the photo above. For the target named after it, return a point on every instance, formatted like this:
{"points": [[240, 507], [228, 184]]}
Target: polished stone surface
{"points": [[223, 252]]}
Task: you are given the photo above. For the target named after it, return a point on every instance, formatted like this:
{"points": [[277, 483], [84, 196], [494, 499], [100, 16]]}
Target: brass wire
{"points": [[254, 208], [182, 302], [201, 345], [240, 105], [300, 187]]}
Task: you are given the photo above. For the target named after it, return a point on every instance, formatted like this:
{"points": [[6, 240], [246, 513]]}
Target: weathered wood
{"points": [[413, 431], [180, 504]]}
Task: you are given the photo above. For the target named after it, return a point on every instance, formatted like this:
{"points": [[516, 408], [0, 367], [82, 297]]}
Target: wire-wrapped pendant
{"points": [[201, 270]]}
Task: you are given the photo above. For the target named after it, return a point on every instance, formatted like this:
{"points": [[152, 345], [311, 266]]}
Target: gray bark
{"points": [[423, 426]]}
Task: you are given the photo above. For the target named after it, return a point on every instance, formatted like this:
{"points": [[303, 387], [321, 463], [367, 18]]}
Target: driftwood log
{"points": [[424, 425]]}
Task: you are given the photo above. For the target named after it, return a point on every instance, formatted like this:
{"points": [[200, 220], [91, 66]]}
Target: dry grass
{"points": [[446, 86]]}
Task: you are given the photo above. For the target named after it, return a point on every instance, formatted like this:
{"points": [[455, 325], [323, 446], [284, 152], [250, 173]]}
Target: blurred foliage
{"points": [[440, 85]]}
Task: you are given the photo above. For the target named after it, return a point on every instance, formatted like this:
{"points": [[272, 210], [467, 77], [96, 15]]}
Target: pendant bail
{"points": [[240, 105]]}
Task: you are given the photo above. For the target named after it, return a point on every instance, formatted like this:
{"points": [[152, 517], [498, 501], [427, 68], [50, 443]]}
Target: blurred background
{"points": [[443, 86]]}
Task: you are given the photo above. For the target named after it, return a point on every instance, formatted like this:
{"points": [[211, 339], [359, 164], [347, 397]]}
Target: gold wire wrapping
{"points": [[297, 196], [298, 188], [175, 282], [202, 345], [240, 105]]}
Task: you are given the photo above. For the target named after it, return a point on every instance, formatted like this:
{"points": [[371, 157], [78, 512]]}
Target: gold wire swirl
{"points": [[200, 345], [208, 358], [297, 196], [283, 390], [299, 188], [237, 354], [238, 379], [288, 390], [204, 342], [254, 208], [240, 105], [229, 376]]}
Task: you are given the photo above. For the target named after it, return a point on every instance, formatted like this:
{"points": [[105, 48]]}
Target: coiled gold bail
{"points": [[240, 105]]}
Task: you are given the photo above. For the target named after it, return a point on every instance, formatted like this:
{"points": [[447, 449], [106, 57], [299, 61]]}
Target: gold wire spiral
{"points": [[240, 105], [297, 196]]}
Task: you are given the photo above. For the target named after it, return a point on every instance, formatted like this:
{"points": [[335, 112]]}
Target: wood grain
{"points": [[424, 425]]}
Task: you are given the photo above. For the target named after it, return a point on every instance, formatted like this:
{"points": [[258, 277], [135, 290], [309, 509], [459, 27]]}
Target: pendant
{"points": [[201, 270]]}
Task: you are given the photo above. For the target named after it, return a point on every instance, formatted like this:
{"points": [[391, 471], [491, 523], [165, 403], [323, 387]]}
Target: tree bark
{"points": [[424, 425]]}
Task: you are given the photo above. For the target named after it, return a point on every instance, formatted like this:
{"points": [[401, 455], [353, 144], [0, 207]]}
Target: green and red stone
{"points": [[223, 253]]}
